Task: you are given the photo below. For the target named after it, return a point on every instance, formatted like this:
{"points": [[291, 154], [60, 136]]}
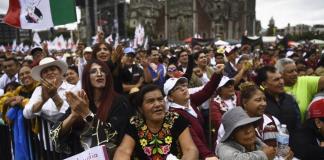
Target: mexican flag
{"points": [[40, 14]]}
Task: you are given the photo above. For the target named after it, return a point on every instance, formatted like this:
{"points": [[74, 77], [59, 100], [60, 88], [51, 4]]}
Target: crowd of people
{"points": [[185, 102]]}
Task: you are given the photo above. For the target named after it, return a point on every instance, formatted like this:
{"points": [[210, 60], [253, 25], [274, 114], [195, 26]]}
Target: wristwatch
{"points": [[89, 118]]}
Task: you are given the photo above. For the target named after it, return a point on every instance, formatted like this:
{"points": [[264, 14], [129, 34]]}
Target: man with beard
{"points": [[279, 104], [302, 88]]}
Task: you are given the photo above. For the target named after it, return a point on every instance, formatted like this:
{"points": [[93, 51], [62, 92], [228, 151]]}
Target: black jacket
{"points": [[112, 130], [304, 142], [286, 110]]}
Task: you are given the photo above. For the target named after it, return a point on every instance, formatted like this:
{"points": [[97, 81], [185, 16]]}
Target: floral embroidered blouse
{"points": [[157, 146]]}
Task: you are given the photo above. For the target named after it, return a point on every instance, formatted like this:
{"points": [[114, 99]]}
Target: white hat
{"points": [[29, 57], [224, 80], [129, 51], [230, 49], [289, 53], [47, 62], [66, 55], [87, 49], [170, 83]]}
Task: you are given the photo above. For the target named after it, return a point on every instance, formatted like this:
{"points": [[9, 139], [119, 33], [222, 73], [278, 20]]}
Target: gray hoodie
{"points": [[231, 150]]}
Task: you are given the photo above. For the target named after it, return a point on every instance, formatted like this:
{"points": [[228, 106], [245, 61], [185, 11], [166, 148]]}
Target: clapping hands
{"points": [[79, 103]]}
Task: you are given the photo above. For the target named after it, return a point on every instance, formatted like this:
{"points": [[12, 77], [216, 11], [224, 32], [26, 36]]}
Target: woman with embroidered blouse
{"points": [[153, 133], [97, 115]]}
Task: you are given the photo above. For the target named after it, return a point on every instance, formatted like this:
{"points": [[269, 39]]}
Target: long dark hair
{"points": [[310, 124], [108, 93]]}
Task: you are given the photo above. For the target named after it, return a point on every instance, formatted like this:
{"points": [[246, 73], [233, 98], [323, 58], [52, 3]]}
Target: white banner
{"points": [[94, 153], [35, 14]]}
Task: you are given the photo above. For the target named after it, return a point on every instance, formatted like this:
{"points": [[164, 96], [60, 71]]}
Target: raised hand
{"points": [[290, 155], [79, 103], [140, 82], [219, 68], [145, 62], [16, 100], [123, 61], [50, 87], [211, 158]]}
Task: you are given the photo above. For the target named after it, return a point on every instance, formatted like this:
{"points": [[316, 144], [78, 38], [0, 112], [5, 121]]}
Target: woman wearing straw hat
{"points": [[240, 140]]}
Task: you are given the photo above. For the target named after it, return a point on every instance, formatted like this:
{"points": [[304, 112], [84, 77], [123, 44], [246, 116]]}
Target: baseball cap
{"points": [[129, 50], [87, 49], [224, 81], [171, 83], [316, 109]]}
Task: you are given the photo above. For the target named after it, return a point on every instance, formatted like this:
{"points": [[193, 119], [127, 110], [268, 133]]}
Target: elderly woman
{"points": [[308, 142], [154, 133], [185, 104], [253, 102], [240, 140], [98, 116], [225, 99]]}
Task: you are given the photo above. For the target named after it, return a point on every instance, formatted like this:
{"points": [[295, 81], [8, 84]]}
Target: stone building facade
{"points": [[176, 20]]}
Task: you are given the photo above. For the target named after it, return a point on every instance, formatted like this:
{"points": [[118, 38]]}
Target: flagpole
{"points": [[95, 8], [71, 35], [88, 24], [166, 19], [116, 17]]}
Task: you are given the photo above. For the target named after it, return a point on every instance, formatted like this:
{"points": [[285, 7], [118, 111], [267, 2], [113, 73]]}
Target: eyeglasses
{"points": [[97, 71], [179, 87]]}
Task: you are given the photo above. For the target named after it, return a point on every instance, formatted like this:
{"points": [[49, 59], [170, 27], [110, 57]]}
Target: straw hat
{"points": [[47, 62]]}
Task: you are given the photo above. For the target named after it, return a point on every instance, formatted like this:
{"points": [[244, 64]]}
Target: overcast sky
{"points": [[283, 11], [290, 11]]}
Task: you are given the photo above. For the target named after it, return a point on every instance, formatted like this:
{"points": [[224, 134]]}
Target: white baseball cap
{"points": [[224, 81], [87, 49], [170, 84]]}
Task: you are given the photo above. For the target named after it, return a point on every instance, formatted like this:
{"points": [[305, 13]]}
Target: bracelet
{"points": [[55, 96], [89, 118]]}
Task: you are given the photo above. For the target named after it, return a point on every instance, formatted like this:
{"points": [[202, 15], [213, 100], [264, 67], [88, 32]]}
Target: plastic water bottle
{"points": [[282, 141]]}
